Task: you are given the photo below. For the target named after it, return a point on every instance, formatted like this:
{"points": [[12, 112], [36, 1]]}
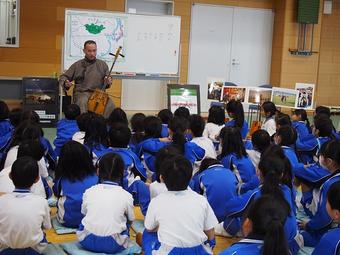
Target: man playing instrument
{"points": [[87, 75]]}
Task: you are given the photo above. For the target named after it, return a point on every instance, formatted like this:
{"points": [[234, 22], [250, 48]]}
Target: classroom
{"points": [[170, 127]]}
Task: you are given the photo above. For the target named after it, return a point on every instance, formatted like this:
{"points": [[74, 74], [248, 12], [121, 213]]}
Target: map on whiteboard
{"points": [[107, 32]]}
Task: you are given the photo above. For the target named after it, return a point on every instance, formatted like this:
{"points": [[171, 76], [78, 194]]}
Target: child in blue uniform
{"points": [[327, 111], [217, 183], [271, 171], [137, 130], [151, 143], [330, 242], [107, 210], [75, 173], [96, 136], [135, 173], [67, 127], [5, 125], [216, 121], [263, 229], [269, 111], [285, 137], [320, 221], [32, 117], [235, 111], [301, 123], [314, 174], [23, 214], [235, 157], [165, 115], [177, 128], [183, 219]]}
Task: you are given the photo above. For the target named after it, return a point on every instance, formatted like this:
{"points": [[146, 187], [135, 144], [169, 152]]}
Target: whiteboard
{"points": [[150, 43]]}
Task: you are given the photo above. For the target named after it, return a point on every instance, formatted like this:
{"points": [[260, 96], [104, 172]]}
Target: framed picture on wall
{"points": [[231, 92], [305, 96], [184, 95], [284, 97], [259, 95]]}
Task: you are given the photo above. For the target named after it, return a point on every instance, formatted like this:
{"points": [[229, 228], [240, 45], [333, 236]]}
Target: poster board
{"points": [[184, 95]]}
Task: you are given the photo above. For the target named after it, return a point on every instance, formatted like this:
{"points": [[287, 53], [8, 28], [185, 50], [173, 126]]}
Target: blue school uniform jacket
{"points": [[244, 130], [98, 150], [165, 131], [193, 152], [149, 148], [5, 127], [133, 165], [245, 247], [70, 198], [321, 221], [237, 206], [313, 175], [65, 130], [329, 243], [244, 170], [301, 129], [290, 154], [218, 184]]}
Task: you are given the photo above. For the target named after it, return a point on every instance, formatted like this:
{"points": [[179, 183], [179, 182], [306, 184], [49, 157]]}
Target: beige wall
{"points": [[328, 91], [42, 28]]}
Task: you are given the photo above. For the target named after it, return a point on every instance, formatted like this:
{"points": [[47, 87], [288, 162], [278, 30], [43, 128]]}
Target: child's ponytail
{"points": [[272, 170], [268, 215], [178, 125], [275, 240]]}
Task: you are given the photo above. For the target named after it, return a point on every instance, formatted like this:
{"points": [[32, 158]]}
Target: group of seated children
{"points": [[191, 180]]}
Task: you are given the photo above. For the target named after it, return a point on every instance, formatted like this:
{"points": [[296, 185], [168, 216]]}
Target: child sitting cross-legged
{"points": [[183, 219], [22, 213], [108, 209]]}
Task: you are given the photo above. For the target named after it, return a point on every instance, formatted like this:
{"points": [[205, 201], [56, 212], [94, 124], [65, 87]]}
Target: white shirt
{"points": [[13, 154], [22, 216], [79, 137], [157, 188], [7, 186], [254, 156], [270, 126], [212, 131], [206, 144], [106, 208], [181, 218]]}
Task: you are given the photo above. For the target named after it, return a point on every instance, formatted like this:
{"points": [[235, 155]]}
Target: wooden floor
{"points": [[51, 235]]}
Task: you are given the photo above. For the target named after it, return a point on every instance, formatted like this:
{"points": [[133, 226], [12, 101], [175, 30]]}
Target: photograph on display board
{"points": [[305, 95], [215, 90], [184, 95], [259, 95], [284, 97], [231, 92], [40, 91]]}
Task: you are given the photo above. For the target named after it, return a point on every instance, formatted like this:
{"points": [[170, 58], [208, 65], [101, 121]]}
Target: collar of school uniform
{"points": [[22, 190], [216, 165], [110, 183]]}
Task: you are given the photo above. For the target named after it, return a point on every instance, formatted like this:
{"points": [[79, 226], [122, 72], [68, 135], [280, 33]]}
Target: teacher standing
{"points": [[87, 75]]}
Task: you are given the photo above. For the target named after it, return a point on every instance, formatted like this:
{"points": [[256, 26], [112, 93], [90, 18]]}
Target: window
{"points": [[9, 20]]}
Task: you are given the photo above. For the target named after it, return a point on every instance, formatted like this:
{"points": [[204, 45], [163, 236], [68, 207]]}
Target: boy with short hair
{"points": [[22, 214], [67, 127]]}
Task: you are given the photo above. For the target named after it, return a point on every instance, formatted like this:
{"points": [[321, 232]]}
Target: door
{"points": [[251, 46]]}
